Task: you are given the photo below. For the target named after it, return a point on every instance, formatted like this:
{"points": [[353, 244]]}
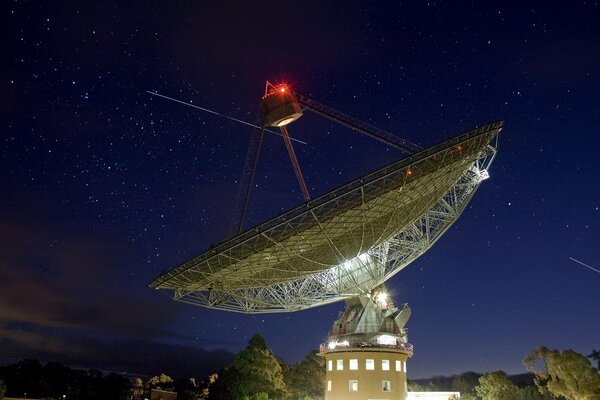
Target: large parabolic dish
{"points": [[345, 242]]}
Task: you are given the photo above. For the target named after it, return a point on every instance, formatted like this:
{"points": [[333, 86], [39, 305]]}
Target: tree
{"points": [[224, 385], [465, 384], [187, 389], [137, 389], [496, 386], [531, 393], [259, 371], [564, 373], [307, 378], [596, 356], [256, 373], [207, 386], [414, 387], [162, 381]]}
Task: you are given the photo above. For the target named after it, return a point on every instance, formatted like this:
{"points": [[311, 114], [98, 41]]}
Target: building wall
{"points": [[369, 383]]}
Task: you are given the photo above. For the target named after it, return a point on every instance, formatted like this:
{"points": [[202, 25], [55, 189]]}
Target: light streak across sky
{"points": [[219, 114], [584, 264]]}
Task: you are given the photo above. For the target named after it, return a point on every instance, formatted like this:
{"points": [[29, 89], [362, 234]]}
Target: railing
{"points": [[365, 345]]}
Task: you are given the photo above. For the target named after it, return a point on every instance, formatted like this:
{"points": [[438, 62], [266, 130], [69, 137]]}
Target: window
{"points": [[329, 386], [385, 365], [404, 369], [370, 364], [340, 365], [353, 364], [353, 385], [330, 365], [398, 365], [385, 386]]}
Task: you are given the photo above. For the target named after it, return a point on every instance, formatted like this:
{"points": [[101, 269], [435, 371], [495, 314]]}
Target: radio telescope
{"points": [[347, 242], [343, 245]]}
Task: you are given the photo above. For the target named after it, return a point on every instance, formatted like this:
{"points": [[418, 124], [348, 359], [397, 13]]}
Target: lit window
{"points": [[370, 364], [340, 365], [385, 365], [329, 386], [404, 369], [385, 386], [353, 364], [353, 385], [330, 365], [398, 365]]}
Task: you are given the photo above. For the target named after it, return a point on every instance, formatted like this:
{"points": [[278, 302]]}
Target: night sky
{"points": [[104, 186]]}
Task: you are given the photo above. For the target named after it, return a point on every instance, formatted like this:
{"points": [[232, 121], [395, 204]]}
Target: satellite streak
{"points": [[584, 264], [219, 114]]}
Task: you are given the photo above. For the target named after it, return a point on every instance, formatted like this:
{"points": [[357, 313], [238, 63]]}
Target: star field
{"points": [[105, 186]]}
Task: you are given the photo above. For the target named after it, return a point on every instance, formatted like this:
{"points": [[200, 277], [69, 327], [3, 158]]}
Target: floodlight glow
{"points": [[386, 340], [382, 299], [285, 121]]}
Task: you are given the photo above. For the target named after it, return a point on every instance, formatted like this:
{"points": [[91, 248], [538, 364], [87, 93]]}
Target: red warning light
{"points": [[409, 172], [271, 89], [459, 147]]}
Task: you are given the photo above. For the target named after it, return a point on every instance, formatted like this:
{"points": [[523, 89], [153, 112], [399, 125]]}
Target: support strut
{"points": [[295, 164]]}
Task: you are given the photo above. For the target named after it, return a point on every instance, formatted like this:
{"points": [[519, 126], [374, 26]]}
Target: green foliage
{"points": [[258, 342], [224, 385], [564, 373], [255, 374], [465, 384], [496, 386], [306, 379], [137, 389], [412, 386], [530, 393], [259, 371], [162, 381], [596, 356]]}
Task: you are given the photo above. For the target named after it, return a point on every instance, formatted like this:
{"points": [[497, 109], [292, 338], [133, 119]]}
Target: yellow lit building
{"points": [[365, 373], [366, 356]]}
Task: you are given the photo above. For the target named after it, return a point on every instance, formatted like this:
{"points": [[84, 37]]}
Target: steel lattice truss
{"points": [[344, 243]]}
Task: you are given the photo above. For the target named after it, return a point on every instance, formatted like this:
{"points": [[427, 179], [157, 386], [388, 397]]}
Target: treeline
{"points": [[463, 383], [467, 383], [255, 373], [554, 375], [31, 379]]}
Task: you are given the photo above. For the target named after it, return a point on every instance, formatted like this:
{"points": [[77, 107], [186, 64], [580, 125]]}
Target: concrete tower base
{"points": [[365, 373]]}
